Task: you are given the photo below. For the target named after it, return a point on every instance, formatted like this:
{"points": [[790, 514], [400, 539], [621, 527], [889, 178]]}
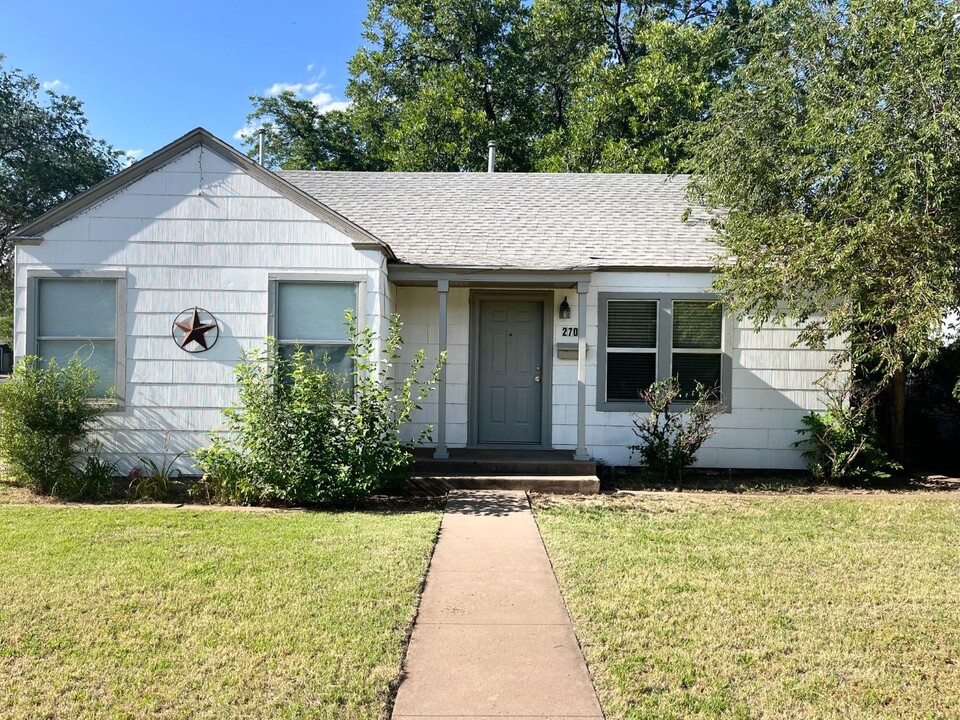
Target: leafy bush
{"points": [[670, 440], [303, 433], [841, 443], [95, 480], [152, 479], [45, 417]]}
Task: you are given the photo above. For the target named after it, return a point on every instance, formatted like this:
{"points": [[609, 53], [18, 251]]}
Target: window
{"points": [[311, 315], [631, 348], [644, 338], [79, 315]]}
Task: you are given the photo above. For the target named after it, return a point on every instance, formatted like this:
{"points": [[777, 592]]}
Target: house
{"points": [[556, 297]]}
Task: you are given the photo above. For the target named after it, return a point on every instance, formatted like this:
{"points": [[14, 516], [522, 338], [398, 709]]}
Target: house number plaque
{"points": [[195, 330], [570, 332]]}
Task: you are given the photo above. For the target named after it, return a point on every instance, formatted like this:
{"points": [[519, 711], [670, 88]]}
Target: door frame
{"points": [[546, 375]]}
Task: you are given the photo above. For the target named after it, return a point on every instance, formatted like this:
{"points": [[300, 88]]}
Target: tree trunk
{"points": [[898, 410]]}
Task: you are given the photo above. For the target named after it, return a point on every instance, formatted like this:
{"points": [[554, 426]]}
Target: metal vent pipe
{"points": [[491, 156]]}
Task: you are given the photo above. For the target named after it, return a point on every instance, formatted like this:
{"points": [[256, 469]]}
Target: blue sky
{"points": [[150, 70]]}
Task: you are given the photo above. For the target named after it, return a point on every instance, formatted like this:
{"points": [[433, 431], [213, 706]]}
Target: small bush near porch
{"points": [[173, 613], [764, 606]]}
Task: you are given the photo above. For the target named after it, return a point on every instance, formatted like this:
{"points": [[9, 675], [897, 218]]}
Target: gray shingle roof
{"points": [[522, 220]]}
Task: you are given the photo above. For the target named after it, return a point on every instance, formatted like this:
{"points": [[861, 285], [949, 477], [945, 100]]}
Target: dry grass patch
{"points": [[764, 606], [160, 613]]}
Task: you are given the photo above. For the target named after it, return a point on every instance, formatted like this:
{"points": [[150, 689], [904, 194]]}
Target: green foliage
{"points": [[153, 479], [632, 100], [299, 135], [841, 443], [302, 433], [835, 155], [6, 303], [46, 155], [561, 85], [669, 441], [435, 81], [96, 480], [45, 417]]}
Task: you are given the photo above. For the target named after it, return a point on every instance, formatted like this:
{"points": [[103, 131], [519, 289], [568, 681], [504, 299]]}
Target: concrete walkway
{"points": [[493, 638]]}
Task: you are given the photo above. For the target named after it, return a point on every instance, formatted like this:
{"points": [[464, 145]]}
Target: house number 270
{"points": [[570, 332]]}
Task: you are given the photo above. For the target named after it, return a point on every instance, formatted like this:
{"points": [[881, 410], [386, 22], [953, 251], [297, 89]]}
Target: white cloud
{"points": [[246, 131], [310, 67], [296, 88], [55, 85], [325, 102], [319, 95]]}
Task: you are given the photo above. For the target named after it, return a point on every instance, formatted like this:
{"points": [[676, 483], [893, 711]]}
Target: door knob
{"points": [[536, 379]]}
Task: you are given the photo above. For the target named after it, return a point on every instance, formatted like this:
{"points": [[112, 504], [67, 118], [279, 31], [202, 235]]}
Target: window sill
{"points": [[638, 407]]}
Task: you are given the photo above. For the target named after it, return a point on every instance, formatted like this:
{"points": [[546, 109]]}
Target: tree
{"points": [[636, 92], [561, 85], [435, 81], [46, 156], [299, 135], [835, 156]]}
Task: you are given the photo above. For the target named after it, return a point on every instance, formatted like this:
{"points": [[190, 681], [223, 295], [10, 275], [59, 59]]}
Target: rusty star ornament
{"points": [[196, 323]]}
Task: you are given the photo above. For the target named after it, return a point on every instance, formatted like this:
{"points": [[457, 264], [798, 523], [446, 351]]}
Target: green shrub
{"points": [[841, 444], [669, 441], [95, 480], [45, 417], [302, 433]]}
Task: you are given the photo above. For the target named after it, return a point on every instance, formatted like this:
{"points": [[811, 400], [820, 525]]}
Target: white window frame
{"points": [[665, 350], [118, 402], [276, 279]]}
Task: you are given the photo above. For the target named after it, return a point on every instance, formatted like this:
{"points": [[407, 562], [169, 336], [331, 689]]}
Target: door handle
{"points": [[536, 378]]}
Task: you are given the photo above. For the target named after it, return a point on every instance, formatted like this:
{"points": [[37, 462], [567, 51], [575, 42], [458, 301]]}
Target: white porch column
{"points": [[583, 287], [443, 289]]}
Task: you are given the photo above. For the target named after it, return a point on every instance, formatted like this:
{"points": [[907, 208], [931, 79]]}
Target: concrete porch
{"points": [[547, 471]]}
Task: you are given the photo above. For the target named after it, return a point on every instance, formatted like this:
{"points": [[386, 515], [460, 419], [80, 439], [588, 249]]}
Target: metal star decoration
{"points": [[195, 330]]}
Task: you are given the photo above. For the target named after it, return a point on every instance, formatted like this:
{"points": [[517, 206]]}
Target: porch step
{"points": [[555, 484], [497, 463]]}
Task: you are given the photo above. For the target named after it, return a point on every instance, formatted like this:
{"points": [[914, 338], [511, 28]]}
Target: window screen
{"points": [[311, 315], [78, 316], [631, 348], [697, 346]]}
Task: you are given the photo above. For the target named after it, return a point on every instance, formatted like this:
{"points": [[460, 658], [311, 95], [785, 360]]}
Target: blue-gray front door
{"points": [[509, 371]]}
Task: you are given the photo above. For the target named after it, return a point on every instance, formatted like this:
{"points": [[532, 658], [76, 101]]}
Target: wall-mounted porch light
{"points": [[564, 309]]}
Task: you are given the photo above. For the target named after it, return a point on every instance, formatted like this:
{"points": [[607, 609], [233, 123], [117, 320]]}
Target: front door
{"points": [[509, 371]]}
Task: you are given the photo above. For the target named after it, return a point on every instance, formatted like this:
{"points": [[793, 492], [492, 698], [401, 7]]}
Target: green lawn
{"points": [[765, 606], [205, 613]]}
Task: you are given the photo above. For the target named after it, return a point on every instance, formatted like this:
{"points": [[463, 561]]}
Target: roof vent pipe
{"points": [[260, 151], [491, 156]]}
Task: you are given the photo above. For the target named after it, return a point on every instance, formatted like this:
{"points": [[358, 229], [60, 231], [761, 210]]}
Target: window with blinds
{"points": [[696, 355], [311, 315], [646, 337], [78, 317], [631, 348]]}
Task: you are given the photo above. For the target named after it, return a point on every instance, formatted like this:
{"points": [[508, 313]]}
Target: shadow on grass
{"points": [[13, 492], [772, 481]]}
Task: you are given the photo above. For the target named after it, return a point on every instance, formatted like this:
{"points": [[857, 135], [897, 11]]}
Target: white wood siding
{"points": [[772, 385], [198, 231]]}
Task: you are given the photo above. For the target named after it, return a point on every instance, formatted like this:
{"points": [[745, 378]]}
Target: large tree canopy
{"points": [[46, 156], [581, 85], [835, 156]]}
